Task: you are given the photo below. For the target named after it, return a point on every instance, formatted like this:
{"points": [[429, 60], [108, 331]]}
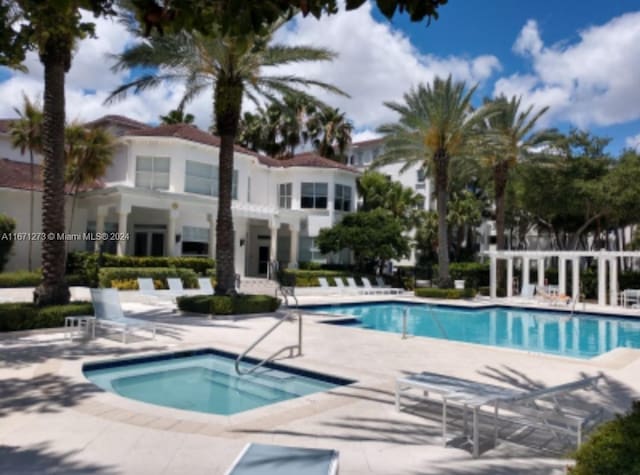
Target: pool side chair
{"points": [[377, 290], [325, 288], [552, 299], [160, 297], [392, 290], [109, 315], [343, 288], [263, 459], [175, 286], [352, 286], [204, 286]]}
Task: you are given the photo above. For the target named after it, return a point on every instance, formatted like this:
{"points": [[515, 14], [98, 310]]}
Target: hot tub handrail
{"points": [[289, 312]]}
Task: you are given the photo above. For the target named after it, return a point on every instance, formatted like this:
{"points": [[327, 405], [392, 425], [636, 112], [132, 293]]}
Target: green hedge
{"points": [[26, 316], [7, 226], [109, 274], [21, 278], [435, 293], [309, 278], [474, 274], [223, 305], [86, 264], [612, 448]]}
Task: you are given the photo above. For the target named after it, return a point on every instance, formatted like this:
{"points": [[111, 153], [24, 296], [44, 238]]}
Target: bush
{"points": [[20, 278], [612, 448], [309, 278], [26, 316], [86, 263], [108, 275], [474, 274], [7, 226], [224, 305], [435, 293]]}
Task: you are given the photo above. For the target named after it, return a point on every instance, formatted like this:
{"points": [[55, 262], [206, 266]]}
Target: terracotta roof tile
{"points": [[118, 120], [17, 175], [311, 159]]}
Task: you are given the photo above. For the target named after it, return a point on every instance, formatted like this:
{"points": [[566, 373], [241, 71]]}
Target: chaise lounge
{"points": [[109, 315]]}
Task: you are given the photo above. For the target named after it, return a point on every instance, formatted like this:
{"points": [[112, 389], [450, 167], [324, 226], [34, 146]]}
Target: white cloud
{"points": [[362, 135], [590, 82], [376, 63], [633, 142]]}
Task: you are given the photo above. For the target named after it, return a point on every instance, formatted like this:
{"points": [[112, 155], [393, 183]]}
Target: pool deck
{"points": [[53, 421]]}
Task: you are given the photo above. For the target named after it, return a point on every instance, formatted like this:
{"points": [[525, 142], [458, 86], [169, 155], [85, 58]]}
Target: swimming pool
{"points": [[583, 336], [205, 381]]}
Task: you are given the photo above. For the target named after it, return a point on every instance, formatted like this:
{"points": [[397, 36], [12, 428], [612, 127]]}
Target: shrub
{"points": [[21, 278], [309, 278], [7, 226], [109, 274], [227, 305], [612, 448], [26, 316], [474, 274], [435, 293]]}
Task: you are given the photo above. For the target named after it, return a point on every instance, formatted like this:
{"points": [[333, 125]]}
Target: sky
{"points": [[581, 58]]}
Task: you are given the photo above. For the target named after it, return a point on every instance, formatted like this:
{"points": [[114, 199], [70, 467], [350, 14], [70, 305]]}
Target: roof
{"points": [[367, 142], [194, 134], [118, 120], [17, 175]]}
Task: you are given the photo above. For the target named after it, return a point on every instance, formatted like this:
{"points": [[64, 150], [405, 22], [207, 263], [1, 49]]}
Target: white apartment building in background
{"points": [[161, 191]]}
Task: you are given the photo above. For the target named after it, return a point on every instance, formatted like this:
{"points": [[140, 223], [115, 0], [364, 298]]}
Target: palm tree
{"points": [[26, 134], [436, 123], [177, 116], [233, 66], [88, 154], [330, 133]]}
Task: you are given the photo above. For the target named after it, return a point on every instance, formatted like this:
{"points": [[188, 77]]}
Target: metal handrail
{"points": [[291, 348]]}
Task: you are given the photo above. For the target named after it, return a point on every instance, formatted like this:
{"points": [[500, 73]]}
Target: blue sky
{"points": [[580, 58]]}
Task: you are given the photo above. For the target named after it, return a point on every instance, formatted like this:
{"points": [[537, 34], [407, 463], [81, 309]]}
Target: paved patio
{"points": [[53, 421]]}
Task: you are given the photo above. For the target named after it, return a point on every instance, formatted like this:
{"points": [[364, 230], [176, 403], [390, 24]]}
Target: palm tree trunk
{"points": [[31, 213], [227, 106], [500, 176], [53, 289], [442, 196]]}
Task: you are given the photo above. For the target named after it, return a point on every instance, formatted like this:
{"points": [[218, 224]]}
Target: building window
{"points": [[153, 172], [308, 252], [202, 178], [195, 241], [421, 175], [342, 200], [285, 190], [314, 195]]}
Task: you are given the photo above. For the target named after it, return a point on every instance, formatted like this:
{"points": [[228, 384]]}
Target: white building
{"points": [[161, 191]]}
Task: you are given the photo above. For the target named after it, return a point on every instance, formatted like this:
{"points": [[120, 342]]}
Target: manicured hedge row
{"points": [[86, 264], [612, 448], [435, 293], [31, 279], [26, 316], [124, 276], [223, 305], [309, 278]]}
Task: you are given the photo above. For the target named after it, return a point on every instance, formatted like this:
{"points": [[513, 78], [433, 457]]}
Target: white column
{"points": [[293, 249], [613, 281], [101, 213], [492, 277], [273, 248], [562, 276], [240, 245], [212, 235], [575, 278], [525, 271], [602, 281], [122, 229], [510, 277], [171, 232], [541, 271]]}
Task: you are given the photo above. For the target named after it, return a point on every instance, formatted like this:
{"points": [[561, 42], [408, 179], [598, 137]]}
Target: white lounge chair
{"points": [[205, 287], [146, 288], [108, 312], [175, 286], [537, 409], [392, 290], [378, 290], [353, 287], [261, 459], [552, 298], [343, 288]]}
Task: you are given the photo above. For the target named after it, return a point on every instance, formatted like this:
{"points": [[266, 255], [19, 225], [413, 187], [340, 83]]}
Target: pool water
{"points": [[205, 381], [583, 336]]}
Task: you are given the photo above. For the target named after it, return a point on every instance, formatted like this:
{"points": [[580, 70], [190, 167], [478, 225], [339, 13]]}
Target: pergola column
{"points": [[123, 213], [575, 278], [562, 276], [493, 272], [602, 280], [101, 214], [541, 271], [212, 235], [613, 281], [510, 277], [525, 271]]}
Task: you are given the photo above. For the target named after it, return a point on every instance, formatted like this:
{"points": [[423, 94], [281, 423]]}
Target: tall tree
{"points": [[26, 134], [52, 29], [177, 116], [233, 66], [330, 133], [378, 192], [436, 123]]}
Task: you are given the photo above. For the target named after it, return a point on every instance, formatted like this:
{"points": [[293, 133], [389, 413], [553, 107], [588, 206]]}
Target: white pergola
{"points": [[604, 258]]}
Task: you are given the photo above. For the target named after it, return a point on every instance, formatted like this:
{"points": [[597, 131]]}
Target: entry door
{"points": [[148, 243], [263, 259], [157, 244], [140, 247]]}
